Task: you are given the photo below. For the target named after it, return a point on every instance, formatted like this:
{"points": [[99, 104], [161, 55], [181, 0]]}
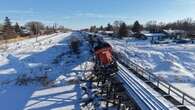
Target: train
{"points": [[105, 62]]}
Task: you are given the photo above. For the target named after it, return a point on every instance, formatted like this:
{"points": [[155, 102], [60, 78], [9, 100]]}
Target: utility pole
{"points": [[36, 26], [126, 45]]}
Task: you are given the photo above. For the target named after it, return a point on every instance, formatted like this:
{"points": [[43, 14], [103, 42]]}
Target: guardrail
{"points": [[140, 94], [162, 84]]}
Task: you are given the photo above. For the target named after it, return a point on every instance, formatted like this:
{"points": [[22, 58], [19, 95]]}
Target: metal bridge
{"points": [[129, 69]]}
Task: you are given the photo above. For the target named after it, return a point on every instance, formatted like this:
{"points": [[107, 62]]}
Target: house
{"points": [[155, 37], [175, 34], [109, 33], [25, 32], [138, 35]]}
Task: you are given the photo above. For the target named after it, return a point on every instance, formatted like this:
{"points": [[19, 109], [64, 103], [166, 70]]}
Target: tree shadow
{"points": [[67, 99]]}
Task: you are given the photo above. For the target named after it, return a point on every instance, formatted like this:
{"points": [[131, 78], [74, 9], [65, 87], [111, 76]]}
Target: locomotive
{"points": [[104, 60]]}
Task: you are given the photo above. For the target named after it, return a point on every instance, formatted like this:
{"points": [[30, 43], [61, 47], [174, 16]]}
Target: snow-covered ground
{"points": [[172, 62], [51, 56]]}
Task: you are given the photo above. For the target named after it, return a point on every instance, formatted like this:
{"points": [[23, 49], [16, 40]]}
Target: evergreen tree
{"points": [[8, 30], [123, 30], [101, 28], [137, 27], [109, 27], [17, 28], [7, 22]]}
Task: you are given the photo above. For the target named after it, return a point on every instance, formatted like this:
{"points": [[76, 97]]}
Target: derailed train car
{"points": [[104, 60]]}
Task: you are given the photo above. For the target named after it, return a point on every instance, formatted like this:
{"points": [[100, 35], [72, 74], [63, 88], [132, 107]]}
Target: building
{"points": [[175, 34], [109, 33], [154, 37], [25, 32]]}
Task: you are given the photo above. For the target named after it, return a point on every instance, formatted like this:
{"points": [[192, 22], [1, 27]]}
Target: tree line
{"points": [[32, 28], [122, 29]]}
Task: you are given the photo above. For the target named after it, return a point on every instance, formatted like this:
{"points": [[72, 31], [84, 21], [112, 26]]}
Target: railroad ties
{"points": [[111, 92]]}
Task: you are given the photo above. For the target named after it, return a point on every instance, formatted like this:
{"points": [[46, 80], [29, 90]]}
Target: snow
{"points": [[109, 32], [172, 62], [174, 31], [155, 34], [51, 56]]}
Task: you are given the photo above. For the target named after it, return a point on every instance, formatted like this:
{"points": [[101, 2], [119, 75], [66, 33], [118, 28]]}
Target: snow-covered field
{"points": [[172, 62], [51, 56]]}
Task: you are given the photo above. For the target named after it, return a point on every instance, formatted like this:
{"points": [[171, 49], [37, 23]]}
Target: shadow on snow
{"points": [[16, 97]]}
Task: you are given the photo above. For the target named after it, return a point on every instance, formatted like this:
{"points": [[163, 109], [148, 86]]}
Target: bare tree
{"points": [[35, 27], [93, 29], [186, 24], [116, 26], [154, 27]]}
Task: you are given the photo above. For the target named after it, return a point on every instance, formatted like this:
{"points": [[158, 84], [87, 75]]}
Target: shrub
{"points": [[24, 80], [75, 45]]}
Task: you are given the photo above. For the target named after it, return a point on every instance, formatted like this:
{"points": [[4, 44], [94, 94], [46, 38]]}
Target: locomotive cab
{"points": [[104, 58]]}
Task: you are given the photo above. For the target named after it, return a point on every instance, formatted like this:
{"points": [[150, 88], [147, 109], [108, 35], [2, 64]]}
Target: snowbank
{"points": [[172, 62]]}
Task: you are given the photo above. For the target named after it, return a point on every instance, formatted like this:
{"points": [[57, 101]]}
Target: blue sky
{"points": [[83, 13]]}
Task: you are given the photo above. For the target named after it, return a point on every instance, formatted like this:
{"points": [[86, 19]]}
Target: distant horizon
{"points": [[79, 14]]}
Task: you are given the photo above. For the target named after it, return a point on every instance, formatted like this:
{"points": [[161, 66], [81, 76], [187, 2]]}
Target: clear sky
{"points": [[83, 13]]}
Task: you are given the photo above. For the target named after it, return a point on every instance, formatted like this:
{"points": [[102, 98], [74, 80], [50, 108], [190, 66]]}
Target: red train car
{"points": [[104, 58]]}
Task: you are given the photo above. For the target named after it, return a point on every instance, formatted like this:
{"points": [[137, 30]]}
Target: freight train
{"points": [[104, 59]]}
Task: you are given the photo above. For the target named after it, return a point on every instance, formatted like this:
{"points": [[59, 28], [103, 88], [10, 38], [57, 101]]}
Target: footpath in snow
{"points": [[49, 56]]}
